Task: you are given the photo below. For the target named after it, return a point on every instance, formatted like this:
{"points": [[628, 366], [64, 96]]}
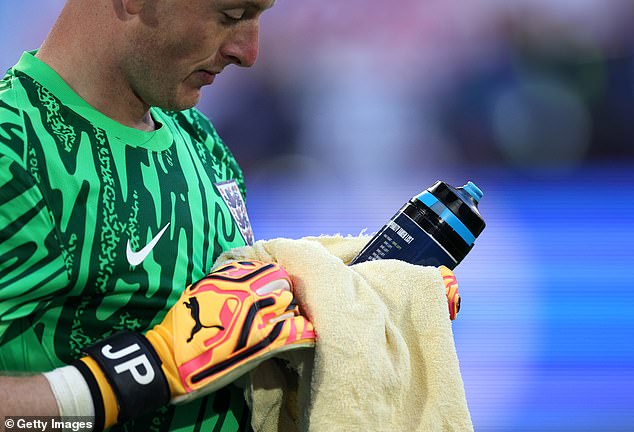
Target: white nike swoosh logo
{"points": [[136, 258]]}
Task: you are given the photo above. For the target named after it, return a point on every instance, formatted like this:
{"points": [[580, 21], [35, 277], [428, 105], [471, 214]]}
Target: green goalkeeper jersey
{"points": [[102, 227]]}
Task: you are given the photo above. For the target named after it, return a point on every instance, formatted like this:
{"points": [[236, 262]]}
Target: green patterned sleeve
{"points": [[32, 268]]}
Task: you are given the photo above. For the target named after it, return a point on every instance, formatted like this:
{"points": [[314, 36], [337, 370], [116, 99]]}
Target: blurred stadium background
{"points": [[355, 106]]}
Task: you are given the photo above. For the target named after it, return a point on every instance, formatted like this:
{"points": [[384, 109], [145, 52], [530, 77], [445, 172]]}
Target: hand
{"points": [[222, 327], [225, 325]]}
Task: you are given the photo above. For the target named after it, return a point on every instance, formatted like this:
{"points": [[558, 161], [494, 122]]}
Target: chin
{"points": [[176, 98], [179, 104]]}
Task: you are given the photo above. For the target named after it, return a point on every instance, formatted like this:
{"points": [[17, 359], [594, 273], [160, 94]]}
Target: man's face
{"points": [[178, 46]]}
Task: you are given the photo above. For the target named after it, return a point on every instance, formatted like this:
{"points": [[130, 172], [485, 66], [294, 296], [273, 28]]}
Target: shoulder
{"points": [[9, 87], [13, 142], [12, 136]]}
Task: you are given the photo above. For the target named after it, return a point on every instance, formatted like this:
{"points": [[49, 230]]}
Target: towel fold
{"points": [[385, 359]]}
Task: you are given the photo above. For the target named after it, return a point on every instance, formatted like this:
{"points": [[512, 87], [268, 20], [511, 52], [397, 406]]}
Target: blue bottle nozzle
{"points": [[473, 190]]}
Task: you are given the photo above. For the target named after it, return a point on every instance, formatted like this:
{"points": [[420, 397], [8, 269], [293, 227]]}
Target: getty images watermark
{"points": [[46, 424]]}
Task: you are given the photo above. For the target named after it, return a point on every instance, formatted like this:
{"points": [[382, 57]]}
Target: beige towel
{"points": [[385, 359]]}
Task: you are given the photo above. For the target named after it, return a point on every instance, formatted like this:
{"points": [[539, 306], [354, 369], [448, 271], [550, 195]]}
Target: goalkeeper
{"points": [[116, 195]]}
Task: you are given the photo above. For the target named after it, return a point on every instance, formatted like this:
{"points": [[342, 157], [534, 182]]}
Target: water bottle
{"points": [[437, 227]]}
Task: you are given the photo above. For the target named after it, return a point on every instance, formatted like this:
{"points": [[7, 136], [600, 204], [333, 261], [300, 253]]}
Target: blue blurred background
{"points": [[355, 106]]}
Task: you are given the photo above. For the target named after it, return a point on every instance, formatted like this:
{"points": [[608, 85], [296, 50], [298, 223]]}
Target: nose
{"points": [[241, 46]]}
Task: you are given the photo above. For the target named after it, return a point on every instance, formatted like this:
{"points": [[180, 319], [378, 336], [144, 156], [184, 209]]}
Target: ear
{"points": [[133, 7]]}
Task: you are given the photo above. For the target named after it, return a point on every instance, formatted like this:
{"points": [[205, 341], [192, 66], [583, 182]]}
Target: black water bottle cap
{"points": [[463, 203]]}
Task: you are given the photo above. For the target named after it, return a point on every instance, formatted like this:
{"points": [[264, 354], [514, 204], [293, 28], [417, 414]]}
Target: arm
{"points": [[22, 261], [222, 327], [62, 392], [27, 395]]}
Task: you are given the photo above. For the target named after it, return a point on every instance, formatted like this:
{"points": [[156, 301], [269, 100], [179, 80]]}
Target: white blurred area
{"points": [[373, 90], [366, 90]]}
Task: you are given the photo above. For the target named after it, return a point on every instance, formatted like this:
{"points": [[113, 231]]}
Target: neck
{"points": [[87, 63]]}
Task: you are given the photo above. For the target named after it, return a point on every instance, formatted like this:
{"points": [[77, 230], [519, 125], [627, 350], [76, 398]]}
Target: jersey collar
{"points": [[157, 140]]}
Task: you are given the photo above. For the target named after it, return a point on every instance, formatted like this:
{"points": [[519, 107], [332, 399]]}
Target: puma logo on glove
{"points": [[193, 306]]}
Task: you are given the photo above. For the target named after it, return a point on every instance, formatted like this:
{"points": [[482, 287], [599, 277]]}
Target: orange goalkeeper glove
{"points": [[223, 326]]}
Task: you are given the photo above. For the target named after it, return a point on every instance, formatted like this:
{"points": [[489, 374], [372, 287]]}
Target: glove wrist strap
{"points": [[132, 368], [104, 401]]}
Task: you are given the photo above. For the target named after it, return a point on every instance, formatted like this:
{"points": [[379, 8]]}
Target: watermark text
{"points": [[47, 424]]}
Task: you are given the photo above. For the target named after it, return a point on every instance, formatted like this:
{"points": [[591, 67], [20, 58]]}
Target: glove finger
{"points": [[451, 290]]}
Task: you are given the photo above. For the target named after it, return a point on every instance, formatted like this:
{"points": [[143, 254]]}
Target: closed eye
{"points": [[234, 14]]}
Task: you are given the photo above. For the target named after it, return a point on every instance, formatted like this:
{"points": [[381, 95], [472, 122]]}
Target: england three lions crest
{"points": [[230, 194]]}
